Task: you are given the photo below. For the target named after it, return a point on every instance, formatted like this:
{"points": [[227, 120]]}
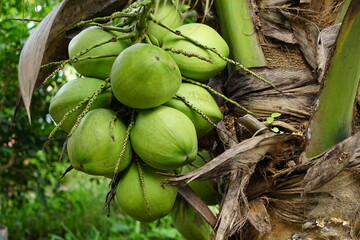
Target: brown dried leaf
{"points": [[230, 217], [240, 161], [299, 84], [306, 32], [273, 24], [229, 140], [278, 3], [316, 5], [32, 55], [252, 124], [275, 31], [331, 163], [327, 38], [258, 216], [240, 157], [325, 11], [242, 84], [48, 43], [198, 204]]}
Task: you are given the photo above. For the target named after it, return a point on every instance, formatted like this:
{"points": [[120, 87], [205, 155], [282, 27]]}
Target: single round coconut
{"points": [[98, 66], [71, 94], [141, 195], [164, 138], [193, 67], [95, 146], [201, 100], [168, 14], [144, 76]]}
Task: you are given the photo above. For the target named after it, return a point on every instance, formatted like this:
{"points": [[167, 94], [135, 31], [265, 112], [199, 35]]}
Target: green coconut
{"points": [[95, 146], [202, 100], [141, 195], [193, 67], [164, 138], [144, 76], [71, 94], [168, 14], [189, 222], [205, 189], [98, 67]]}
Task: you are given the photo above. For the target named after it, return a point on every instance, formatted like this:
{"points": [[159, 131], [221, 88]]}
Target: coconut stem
{"points": [[83, 113], [126, 140], [213, 91], [63, 148], [93, 57], [116, 177], [66, 115], [56, 71], [148, 40], [202, 158], [332, 120], [75, 60], [88, 106], [112, 123], [239, 32], [142, 182], [76, 57], [178, 33], [112, 28], [111, 194], [52, 64], [195, 109], [124, 13], [189, 104], [344, 7], [142, 23], [78, 106], [105, 19], [114, 39], [187, 54]]}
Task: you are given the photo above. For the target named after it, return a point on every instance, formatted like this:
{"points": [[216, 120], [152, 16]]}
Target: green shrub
{"points": [[76, 212]]}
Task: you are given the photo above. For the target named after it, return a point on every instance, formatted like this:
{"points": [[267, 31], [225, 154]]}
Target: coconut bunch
{"points": [[271, 187], [130, 115]]}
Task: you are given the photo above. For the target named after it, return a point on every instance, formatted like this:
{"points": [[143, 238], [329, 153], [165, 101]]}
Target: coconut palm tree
{"points": [[286, 152]]}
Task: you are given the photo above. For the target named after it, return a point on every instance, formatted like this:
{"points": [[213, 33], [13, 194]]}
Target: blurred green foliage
{"points": [[24, 165], [33, 203], [76, 212]]}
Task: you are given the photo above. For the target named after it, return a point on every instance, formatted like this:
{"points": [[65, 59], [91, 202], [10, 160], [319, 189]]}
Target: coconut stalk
{"points": [[238, 31], [342, 13], [332, 120]]}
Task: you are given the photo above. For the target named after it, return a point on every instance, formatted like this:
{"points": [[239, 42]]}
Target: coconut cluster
{"points": [[131, 113]]}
